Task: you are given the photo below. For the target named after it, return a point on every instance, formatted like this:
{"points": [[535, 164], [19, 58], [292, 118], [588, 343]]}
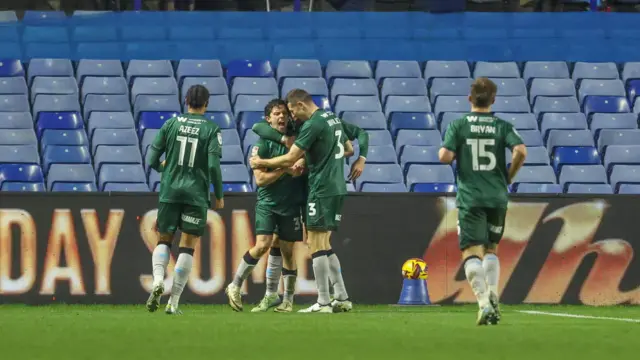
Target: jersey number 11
{"points": [[183, 147], [479, 150]]}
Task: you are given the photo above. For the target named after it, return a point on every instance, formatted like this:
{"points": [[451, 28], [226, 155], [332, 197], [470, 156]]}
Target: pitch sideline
{"points": [[532, 312]]}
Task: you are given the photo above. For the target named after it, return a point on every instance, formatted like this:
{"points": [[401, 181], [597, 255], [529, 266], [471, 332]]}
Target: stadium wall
{"points": [[95, 248]]}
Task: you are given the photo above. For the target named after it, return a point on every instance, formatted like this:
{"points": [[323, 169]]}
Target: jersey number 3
{"points": [[183, 147], [478, 151], [340, 153]]}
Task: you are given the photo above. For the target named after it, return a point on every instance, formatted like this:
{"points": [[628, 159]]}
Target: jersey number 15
{"points": [[183, 147], [479, 150]]}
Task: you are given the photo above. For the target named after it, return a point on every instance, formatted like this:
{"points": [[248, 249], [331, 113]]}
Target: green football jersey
{"points": [[479, 141], [322, 137], [187, 140], [286, 195]]}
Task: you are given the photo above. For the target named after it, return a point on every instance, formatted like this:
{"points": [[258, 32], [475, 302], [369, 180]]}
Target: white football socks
{"points": [[335, 275], [321, 273], [289, 277], [244, 269], [491, 265], [160, 260], [274, 270], [476, 277], [181, 275]]}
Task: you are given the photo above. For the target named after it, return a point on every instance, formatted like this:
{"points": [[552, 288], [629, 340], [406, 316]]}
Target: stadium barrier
{"points": [[95, 248]]}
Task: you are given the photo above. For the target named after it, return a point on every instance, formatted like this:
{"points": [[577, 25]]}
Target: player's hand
{"points": [[298, 167], [254, 161], [357, 168], [219, 204]]}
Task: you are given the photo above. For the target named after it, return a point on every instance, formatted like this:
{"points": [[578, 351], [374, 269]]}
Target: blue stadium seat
{"points": [[536, 155], [510, 87], [384, 154], [446, 69], [98, 68], [222, 119], [8, 16], [630, 71], [58, 121], [633, 90], [411, 120], [253, 86], [230, 137], [606, 104], [10, 34], [110, 120], [248, 68], [63, 137], [560, 104], [232, 154], [496, 70], [148, 68], [41, 18], [551, 88], [63, 154], [403, 87], [13, 86], [292, 68], [535, 174], [628, 189], [94, 34], [450, 87], [386, 69], [589, 189], [380, 173], [154, 180], [247, 119], [55, 103], [251, 103], [353, 87], [113, 137], [617, 137], [128, 154], [74, 187], [18, 137], [574, 155], [406, 104], [198, 68], [427, 174], [126, 187], [590, 87], [235, 187], [215, 85], [45, 34], [384, 188], [621, 154], [23, 186], [147, 140], [249, 140], [235, 174], [545, 70], [357, 103], [569, 138], [153, 120], [153, 86], [348, 69], [12, 50], [379, 137], [417, 137], [70, 173], [14, 103], [624, 174], [448, 118], [46, 50], [451, 104], [134, 32], [110, 85], [322, 102], [601, 71], [314, 86], [105, 103], [586, 174], [415, 154], [49, 67], [120, 173], [521, 121], [526, 188], [11, 68], [20, 173], [511, 104], [366, 120], [158, 103], [612, 121], [219, 103], [434, 188], [562, 121], [23, 154], [16, 120]]}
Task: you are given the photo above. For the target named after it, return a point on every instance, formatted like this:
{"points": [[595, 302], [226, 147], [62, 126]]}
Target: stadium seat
{"points": [[110, 103], [74, 187], [535, 174], [314, 86], [403, 87], [574, 155], [20, 173], [569, 138], [219, 103], [562, 121], [628, 189], [215, 86], [113, 137], [511, 104], [589, 189], [357, 103], [298, 68], [120, 173], [155, 103], [248, 68], [600, 71], [451, 104], [153, 86], [58, 121], [415, 154], [379, 137], [109, 120], [406, 104], [586, 174], [94, 34], [70, 173], [98, 68], [13, 86], [536, 155], [14, 103], [434, 188], [64, 154], [348, 70], [23, 154], [111, 85], [411, 120], [617, 137], [45, 85], [55, 103], [198, 68], [606, 104], [232, 154], [560, 104], [253, 86], [251, 103], [396, 69], [526, 188], [49, 67], [128, 154], [11, 68], [384, 188], [222, 119], [551, 88], [63, 137], [18, 137], [621, 154], [510, 87], [624, 174], [247, 119], [449, 87], [368, 120], [148, 68], [380, 173], [446, 69], [590, 87], [545, 70], [153, 120], [496, 70], [383, 154], [427, 174], [23, 186], [354, 87], [16, 120], [230, 137], [126, 187], [448, 118], [612, 121], [521, 121], [235, 174], [417, 137], [96, 50]]}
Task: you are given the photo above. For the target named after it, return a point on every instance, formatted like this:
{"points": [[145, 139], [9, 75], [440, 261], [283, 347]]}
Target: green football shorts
{"points": [[288, 228], [325, 213], [480, 226], [187, 218]]}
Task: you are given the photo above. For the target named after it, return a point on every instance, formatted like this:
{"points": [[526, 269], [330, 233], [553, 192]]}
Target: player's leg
{"points": [[274, 270], [289, 231], [166, 225], [193, 222], [341, 302], [472, 235], [491, 263]]}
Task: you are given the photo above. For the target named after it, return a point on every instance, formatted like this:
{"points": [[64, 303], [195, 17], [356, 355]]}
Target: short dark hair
{"points": [[483, 92], [197, 97], [274, 104], [298, 95]]}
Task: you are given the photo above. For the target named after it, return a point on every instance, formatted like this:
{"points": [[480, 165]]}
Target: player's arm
{"points": [[308, 135], [215, 172], [518, 151], [264, 178], [156, 150], [265, 131], [355, 132], [447, 152], [348, 149]]}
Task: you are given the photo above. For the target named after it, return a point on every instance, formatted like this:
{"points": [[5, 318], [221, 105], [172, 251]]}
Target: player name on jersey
{"points": [[189, 130]]}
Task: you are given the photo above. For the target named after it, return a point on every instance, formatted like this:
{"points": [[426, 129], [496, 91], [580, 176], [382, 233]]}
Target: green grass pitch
{"points": [[369, 332]]}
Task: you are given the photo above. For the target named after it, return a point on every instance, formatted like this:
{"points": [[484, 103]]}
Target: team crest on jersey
{"points": [[220, 139], [254, 151]]}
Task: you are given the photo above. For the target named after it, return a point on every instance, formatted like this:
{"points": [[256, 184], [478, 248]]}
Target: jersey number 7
{"points": [[183, 147], [479, 150]]}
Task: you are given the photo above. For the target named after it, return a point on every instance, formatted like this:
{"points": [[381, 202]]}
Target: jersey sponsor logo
{"points": [[495, 229], [190, 219], [472, 118], [182, 119], [220, 139], [338, 217], [189, 130], [483, 129]]}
